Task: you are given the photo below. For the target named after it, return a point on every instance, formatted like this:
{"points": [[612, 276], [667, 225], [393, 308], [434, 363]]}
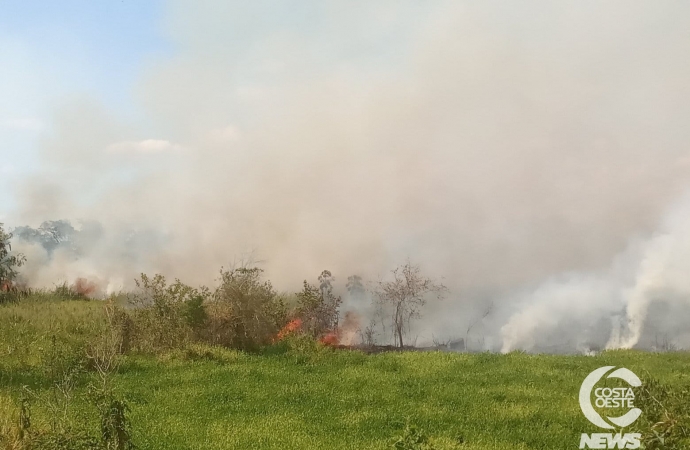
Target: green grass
{"points": [[211, 398]]}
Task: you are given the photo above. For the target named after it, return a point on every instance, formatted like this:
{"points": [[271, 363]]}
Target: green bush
{"points": [[9, 263], [165, 316], [318, 307], [245, 312]]}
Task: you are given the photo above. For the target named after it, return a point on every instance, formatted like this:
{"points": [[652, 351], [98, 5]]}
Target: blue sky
{"points": [[51, 52], [92, 47]]}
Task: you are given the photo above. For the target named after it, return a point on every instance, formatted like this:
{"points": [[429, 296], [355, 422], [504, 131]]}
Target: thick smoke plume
{"points": [[525, 154], [645, 295]]}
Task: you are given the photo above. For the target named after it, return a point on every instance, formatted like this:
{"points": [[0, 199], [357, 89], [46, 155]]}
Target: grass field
{"points": [[203, 397]]}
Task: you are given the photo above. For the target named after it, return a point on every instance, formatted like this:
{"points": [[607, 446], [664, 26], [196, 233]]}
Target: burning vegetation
{"points": [[292, 327], [243, 311], [345, 334]]}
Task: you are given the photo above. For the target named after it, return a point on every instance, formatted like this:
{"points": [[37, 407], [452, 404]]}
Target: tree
{"points": [[50, 234], [318, 306], [355, 287], [8, 262], [405, 295], [472, 324]]}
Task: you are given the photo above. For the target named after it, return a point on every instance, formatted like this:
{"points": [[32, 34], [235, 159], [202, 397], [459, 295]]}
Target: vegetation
{"points": [[666, 420], [318, 306], [246, 312], [67, 381], [164, 316], [405, 295], [9, 263], [170, 366]]}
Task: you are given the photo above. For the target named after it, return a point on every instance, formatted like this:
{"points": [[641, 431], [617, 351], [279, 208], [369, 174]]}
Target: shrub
{"points": [[8, 265], [14, 293], [165, 316], [318, 306], [81, 289], [66, 292], [193, 312], [115, 427], [65, 434], [245, 312]]}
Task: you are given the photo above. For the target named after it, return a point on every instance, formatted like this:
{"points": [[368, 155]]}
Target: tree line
{"points": [[244, 311]]}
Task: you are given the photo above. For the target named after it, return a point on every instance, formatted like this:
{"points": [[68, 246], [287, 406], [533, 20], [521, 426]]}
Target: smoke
{"points": [[649, 275], [511, 151]]}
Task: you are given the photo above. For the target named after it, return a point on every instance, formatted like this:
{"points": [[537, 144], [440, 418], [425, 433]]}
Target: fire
{"points": [[291, 327], [330, 339], [84, 287], [348, 329], [345, 334]]}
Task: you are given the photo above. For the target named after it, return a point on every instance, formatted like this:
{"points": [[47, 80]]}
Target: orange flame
{"points": [[84, 287], [348, 329], [330, 339], [291, 327], [343, 334]]}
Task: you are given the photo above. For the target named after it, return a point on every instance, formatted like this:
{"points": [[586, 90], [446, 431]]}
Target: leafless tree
{"points": [[405, 295], [481, 318]]}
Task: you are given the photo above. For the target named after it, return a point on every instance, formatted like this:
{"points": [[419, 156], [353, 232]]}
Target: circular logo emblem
{"points": [[609, 397]]}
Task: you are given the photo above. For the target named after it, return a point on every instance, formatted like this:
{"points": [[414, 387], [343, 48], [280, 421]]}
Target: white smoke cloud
{"points": [[145, 146], [647, 274], [497, 146]]}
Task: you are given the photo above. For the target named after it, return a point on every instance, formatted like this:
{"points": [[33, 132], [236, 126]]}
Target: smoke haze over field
{"points": [[532, 155]]}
